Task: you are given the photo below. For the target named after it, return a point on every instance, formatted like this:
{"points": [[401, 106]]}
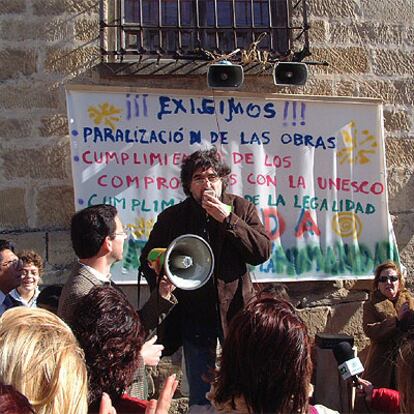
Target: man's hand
{"points": [[151, 352], [164, 401], [214, 207], [365, 389], [166, 288], [405, 318]]}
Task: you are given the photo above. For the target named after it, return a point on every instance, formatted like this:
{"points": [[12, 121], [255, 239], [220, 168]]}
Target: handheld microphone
{"points": [[349, 366]]}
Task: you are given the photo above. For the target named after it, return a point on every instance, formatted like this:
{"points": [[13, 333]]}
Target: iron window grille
{"points": [[203, 29]]}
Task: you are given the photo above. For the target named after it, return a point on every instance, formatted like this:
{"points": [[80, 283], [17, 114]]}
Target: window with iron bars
{"points": [[199, 29]]}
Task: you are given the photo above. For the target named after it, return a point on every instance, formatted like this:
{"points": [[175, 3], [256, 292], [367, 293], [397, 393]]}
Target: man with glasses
{"points": [[230, 224], [98, 238], [10, 274]]}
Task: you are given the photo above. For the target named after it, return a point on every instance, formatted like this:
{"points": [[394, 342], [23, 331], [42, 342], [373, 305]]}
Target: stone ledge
{"points": [[60, 252]]}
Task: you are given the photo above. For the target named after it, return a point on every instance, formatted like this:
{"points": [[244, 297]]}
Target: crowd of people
{"points": [[83, 348]]}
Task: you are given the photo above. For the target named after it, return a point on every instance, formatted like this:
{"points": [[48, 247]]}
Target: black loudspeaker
{"points": [[225, 75], [188, 261], [290, 73]]}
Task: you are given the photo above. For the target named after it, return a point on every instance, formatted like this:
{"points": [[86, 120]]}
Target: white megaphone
{"points": [[188, 261]]}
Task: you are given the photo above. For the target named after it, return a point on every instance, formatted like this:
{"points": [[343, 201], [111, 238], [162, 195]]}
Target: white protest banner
{"points": [[313, 166]]}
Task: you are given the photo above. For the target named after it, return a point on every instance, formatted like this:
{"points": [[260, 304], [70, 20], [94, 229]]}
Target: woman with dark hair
{"points": [[13, 402], [265, 365], [387, 315], [111, 335]]}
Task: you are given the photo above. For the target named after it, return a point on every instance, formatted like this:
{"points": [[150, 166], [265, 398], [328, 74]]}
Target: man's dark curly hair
{"points": [[203, 159], [111, 334]]}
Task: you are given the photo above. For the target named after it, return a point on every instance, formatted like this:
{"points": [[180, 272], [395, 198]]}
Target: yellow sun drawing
{"points": [[104, 113], [356, 151], [347, 224], [142, 227]]}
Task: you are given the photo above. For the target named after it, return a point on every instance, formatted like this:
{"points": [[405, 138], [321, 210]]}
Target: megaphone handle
{"points": [[156, 265], [158, 305]]}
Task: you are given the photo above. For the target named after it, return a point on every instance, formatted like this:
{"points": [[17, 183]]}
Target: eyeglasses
{"points": [[123, 234], [212, 178], [13, 262], [384, 279]]}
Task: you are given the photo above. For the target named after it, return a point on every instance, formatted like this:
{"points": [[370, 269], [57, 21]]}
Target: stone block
{"points": [[86, 30], [39, 29], [400, 189], [301, 293], [60, 251], [12, 209], [406, 88], [54, 7], [55, 277], [407, 256], [66, 61], [344, 34], [347, 318], [385, 34], [54, 125], [346, 87], [29, 95], [364, 33], [30, 241], [15, 128], [55, 30], [365, 285], [14, 63], [45, 162], [391, 92], [393, 62], [315, 86], [318, 32], [336, 296], [49, 7], [392, 12], [343, 60], [399, 153], [12, 6], [321, 293], [315, 319], [404, 230], [409, 40], [335, 9], [398, 121], [55, 207]]}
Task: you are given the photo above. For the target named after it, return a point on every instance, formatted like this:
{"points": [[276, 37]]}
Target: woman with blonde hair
{"points": [[41, 358]]}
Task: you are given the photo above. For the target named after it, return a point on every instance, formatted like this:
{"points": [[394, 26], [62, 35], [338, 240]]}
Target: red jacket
{"points": [[127, 404], [386, 400]]}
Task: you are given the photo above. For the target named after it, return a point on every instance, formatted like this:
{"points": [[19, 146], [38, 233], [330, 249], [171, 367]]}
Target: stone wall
{"points": [[44, 44]]}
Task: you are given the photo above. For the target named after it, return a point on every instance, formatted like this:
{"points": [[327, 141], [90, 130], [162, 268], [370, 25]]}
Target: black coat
{"points": [[239, 241]]}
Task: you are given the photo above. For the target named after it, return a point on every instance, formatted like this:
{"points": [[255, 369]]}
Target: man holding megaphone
{"points": [[209, 233]]}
